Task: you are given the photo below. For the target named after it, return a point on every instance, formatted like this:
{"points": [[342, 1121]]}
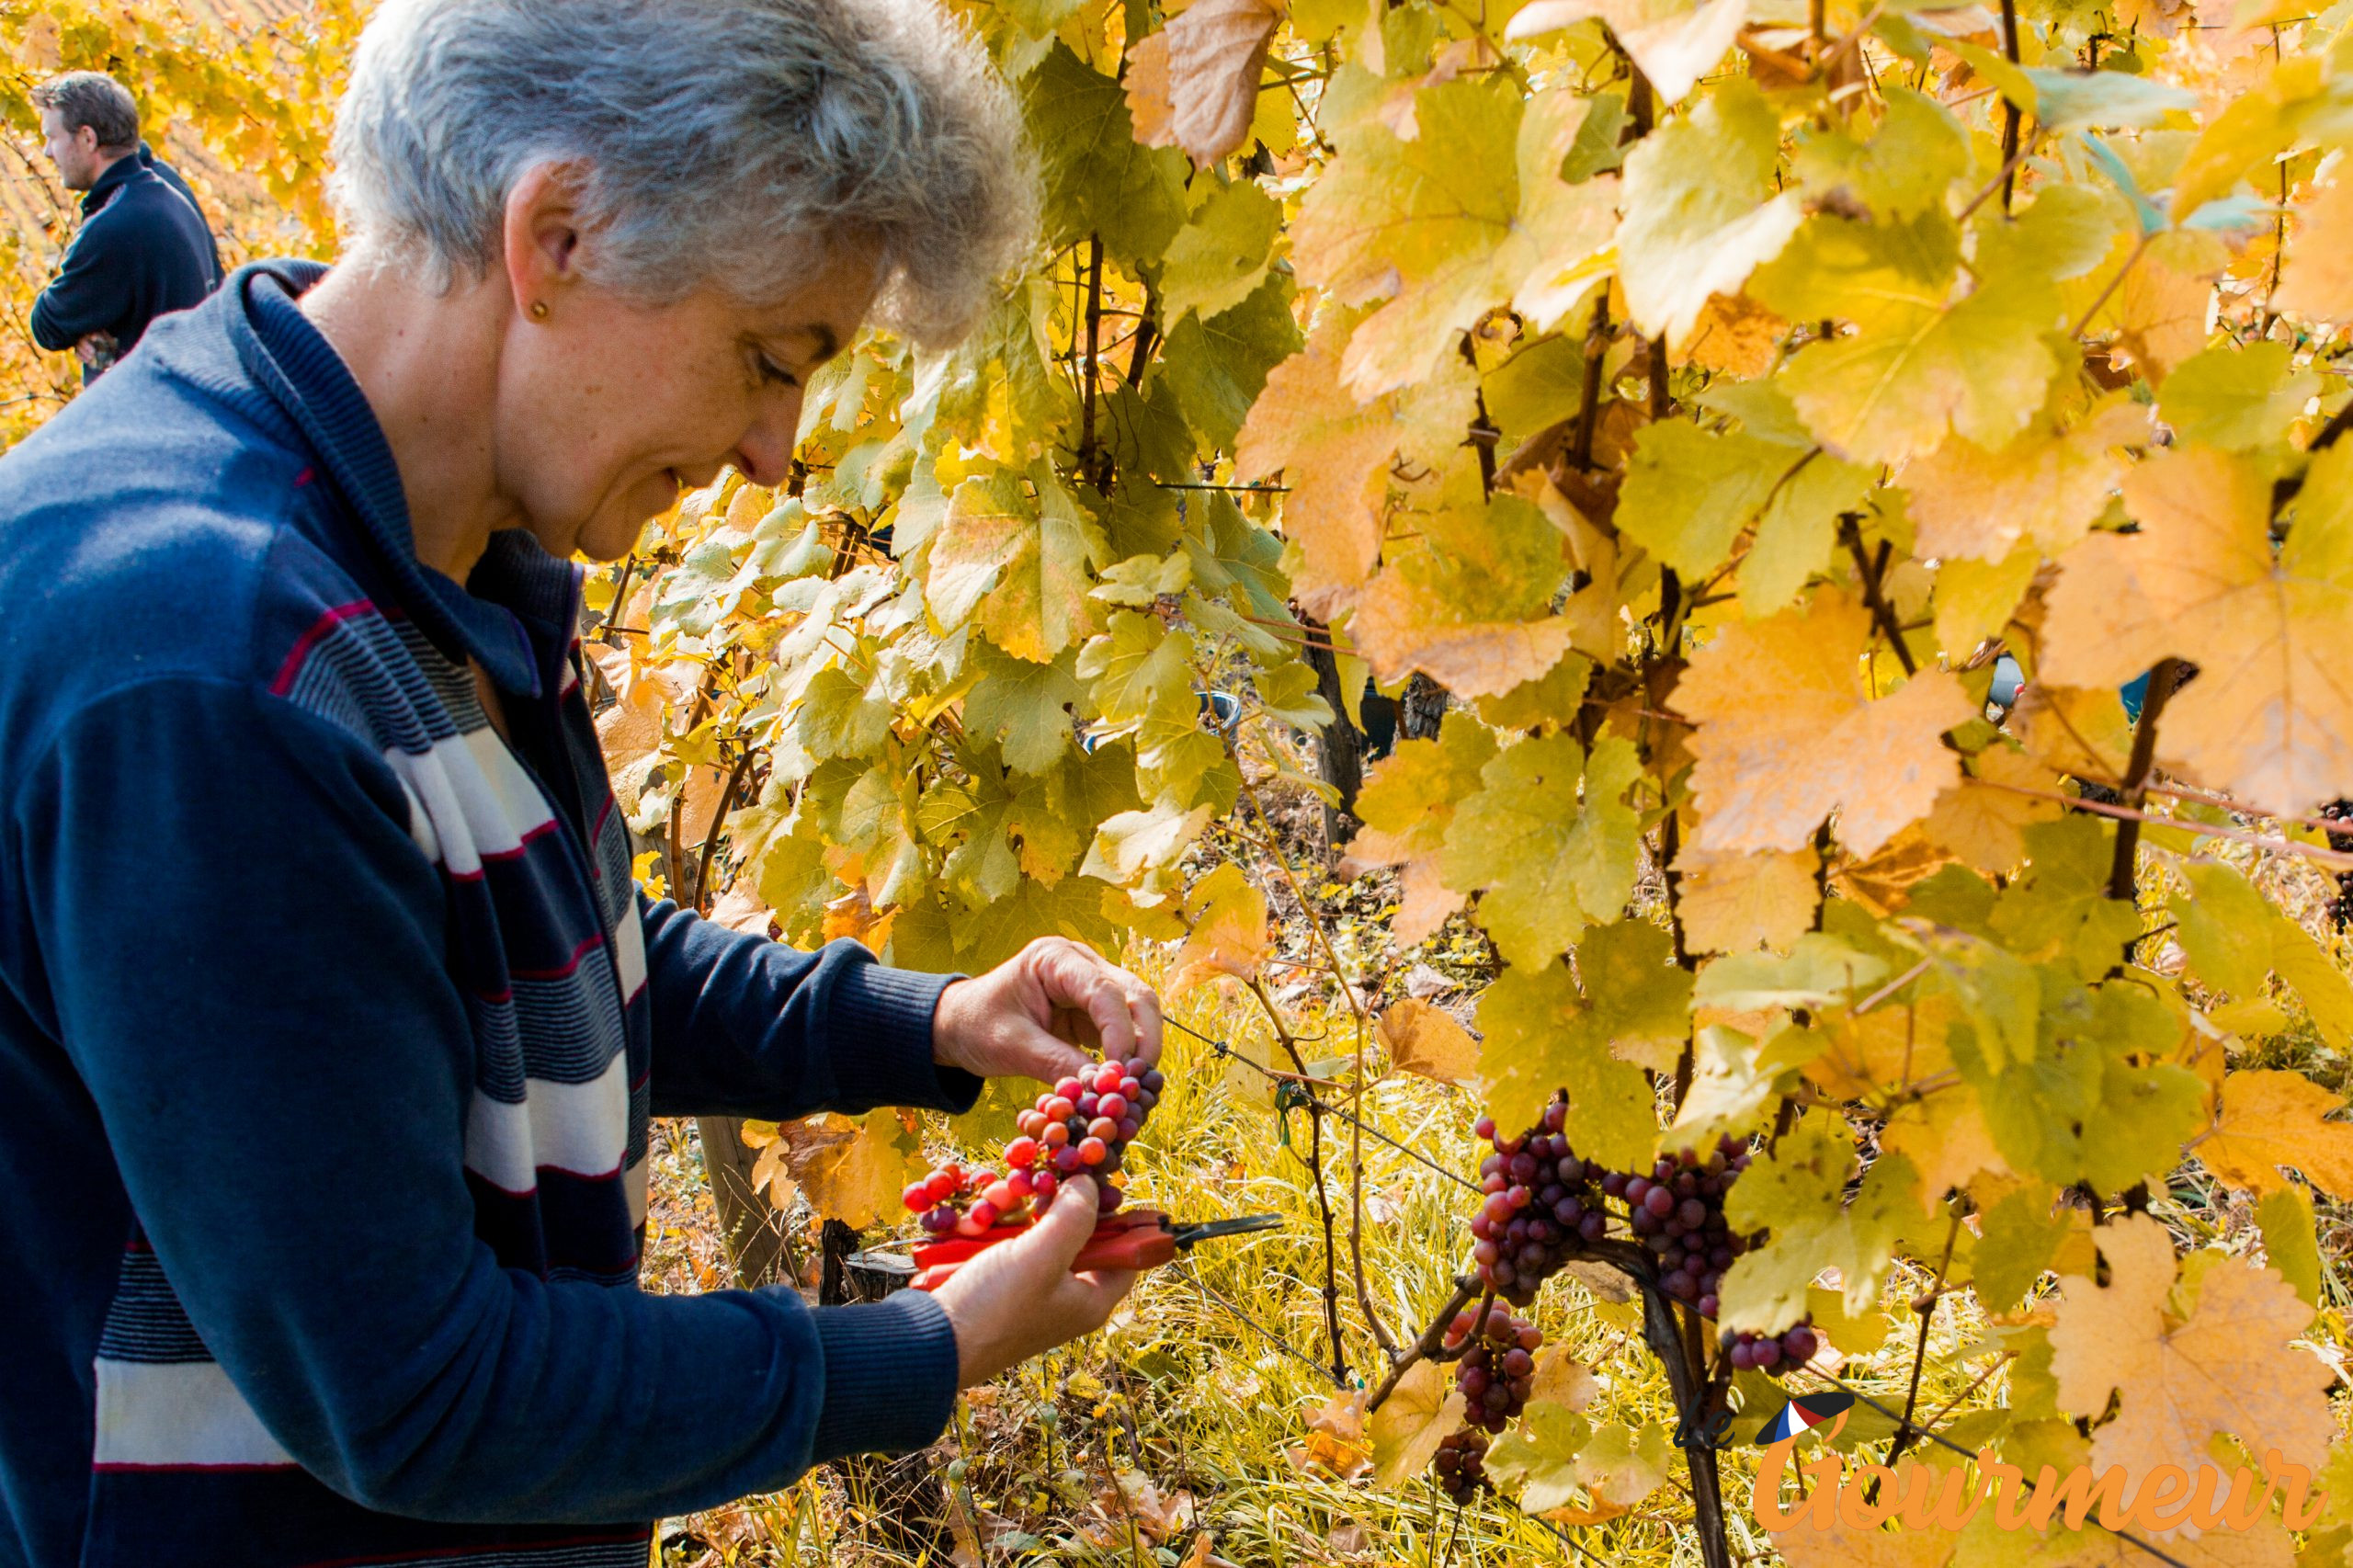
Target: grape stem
{"points": [[1427, 1346]]}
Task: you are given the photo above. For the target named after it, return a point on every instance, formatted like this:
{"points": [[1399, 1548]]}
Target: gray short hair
{"points": [[95, 99], [737, 143]]}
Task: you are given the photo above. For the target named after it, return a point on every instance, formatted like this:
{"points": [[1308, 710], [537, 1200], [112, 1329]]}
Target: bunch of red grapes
{"points": [[1083, 1124], [1541, 1199], [1462, 1464], [1495, 1373]]}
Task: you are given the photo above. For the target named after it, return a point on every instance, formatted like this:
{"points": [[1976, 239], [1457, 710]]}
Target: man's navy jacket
{"points": [[143, 250]]}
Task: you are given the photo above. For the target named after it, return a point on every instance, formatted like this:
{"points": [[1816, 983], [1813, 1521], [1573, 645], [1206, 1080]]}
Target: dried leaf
{"points": [[1426, 1040]]}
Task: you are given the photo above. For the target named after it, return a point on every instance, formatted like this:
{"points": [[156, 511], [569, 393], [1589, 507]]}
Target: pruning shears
{"points": [[1142, 1238]]}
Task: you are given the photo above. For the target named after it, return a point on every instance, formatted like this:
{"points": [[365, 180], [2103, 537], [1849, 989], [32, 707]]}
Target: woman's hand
{"points": [[1020, 1298], [1043, 1012]]}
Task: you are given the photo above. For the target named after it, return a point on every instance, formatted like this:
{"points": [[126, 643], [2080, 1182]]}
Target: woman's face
{"points": [[608, 408]]}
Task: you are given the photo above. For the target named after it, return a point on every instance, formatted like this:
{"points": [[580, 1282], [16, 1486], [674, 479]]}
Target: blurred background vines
{"points": [[1762, 577]]}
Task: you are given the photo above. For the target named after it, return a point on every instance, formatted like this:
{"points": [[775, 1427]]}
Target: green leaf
{"points": [[2235, 398], [2072, 100], [2290, 1242], [1552, 856], [1027, 707], [1098, 180], [2020, 1236], [1818, 971], [1797, 1191], [1540, 1453], [1217, 366], [1544, 1033], [1904, 169], [1221, 255], [1698, 215]]}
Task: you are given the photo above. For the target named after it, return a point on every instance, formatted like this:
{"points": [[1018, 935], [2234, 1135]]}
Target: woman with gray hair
{"points": [[330, 1019]]}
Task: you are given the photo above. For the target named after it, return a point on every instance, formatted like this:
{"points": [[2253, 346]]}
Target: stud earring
{"points": [[538, 310]]}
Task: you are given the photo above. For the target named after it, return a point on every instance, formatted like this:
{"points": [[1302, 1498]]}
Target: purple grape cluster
{"points": [[1498, 1369], [1678, 1211], [1542, 1201], [1461, 1464], [1773, 1353], [2341, 911]]}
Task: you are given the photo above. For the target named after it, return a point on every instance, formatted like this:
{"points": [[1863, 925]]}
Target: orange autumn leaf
{"points": [[1334, 453], [2269, 717], [2044, 486], [2229, 1367], [2270, 1117], [1426, 1040], [1194, 84], [1788, 732]]}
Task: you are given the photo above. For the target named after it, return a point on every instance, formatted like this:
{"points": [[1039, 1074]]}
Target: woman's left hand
{"points": [[1044, 1013]]}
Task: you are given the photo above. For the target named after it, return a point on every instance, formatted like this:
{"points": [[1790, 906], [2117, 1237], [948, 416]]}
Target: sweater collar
{"points": [[518, 621], [119, 173]]}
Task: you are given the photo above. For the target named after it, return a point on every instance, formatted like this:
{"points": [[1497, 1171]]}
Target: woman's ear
{"points": [[543, 237]]}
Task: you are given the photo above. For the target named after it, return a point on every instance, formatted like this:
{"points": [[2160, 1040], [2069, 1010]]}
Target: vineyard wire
{"points": [[1312, 1101]]}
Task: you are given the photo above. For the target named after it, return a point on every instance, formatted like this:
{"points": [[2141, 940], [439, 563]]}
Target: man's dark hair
{"points": [[95, 99]]}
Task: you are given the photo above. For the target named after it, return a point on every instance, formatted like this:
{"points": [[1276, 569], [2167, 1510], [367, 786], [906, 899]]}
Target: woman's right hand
{"points": [[1020, 1298]]}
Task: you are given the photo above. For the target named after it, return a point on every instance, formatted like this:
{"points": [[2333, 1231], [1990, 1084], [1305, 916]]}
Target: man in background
{"points": [[143, 249]]}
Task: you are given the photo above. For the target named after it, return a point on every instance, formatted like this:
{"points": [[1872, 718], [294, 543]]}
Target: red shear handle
{"points": [[1138, 1239]]}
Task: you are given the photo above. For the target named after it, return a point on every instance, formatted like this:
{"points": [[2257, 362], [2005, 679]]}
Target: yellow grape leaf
{"points": [[2232, 1367], [1221, 255], [1797, 1191], [2251, 129], [1468, 602], [1551, 840], [2235, 938], [1922, 365], [2270, 1118], [1419, 1413], [1142, 846], [1729, 1088], [1676, 43], [1731, 901], [1561, 1378], [1625, 1464], [1788, 733], [2317, 280], [2160, 310], [2234, 397], [1945, 1135], [1698, 215], [1225, 919], [1424, 1038], [1880, 1055], [1540, 1453], [1334, 453], [1392, 216], [2078, 731], [1975, 599], [1545, 1032], [2269, 717], [2290, 1239], [1982, 819], [1016, 569], [1406, 806], [1194, 84], [850, 1168], [2045, 486], [1691, 494]]}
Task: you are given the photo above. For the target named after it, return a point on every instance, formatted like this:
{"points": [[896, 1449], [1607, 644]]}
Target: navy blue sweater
{"points": [[330, 1023], [143, 249]]}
